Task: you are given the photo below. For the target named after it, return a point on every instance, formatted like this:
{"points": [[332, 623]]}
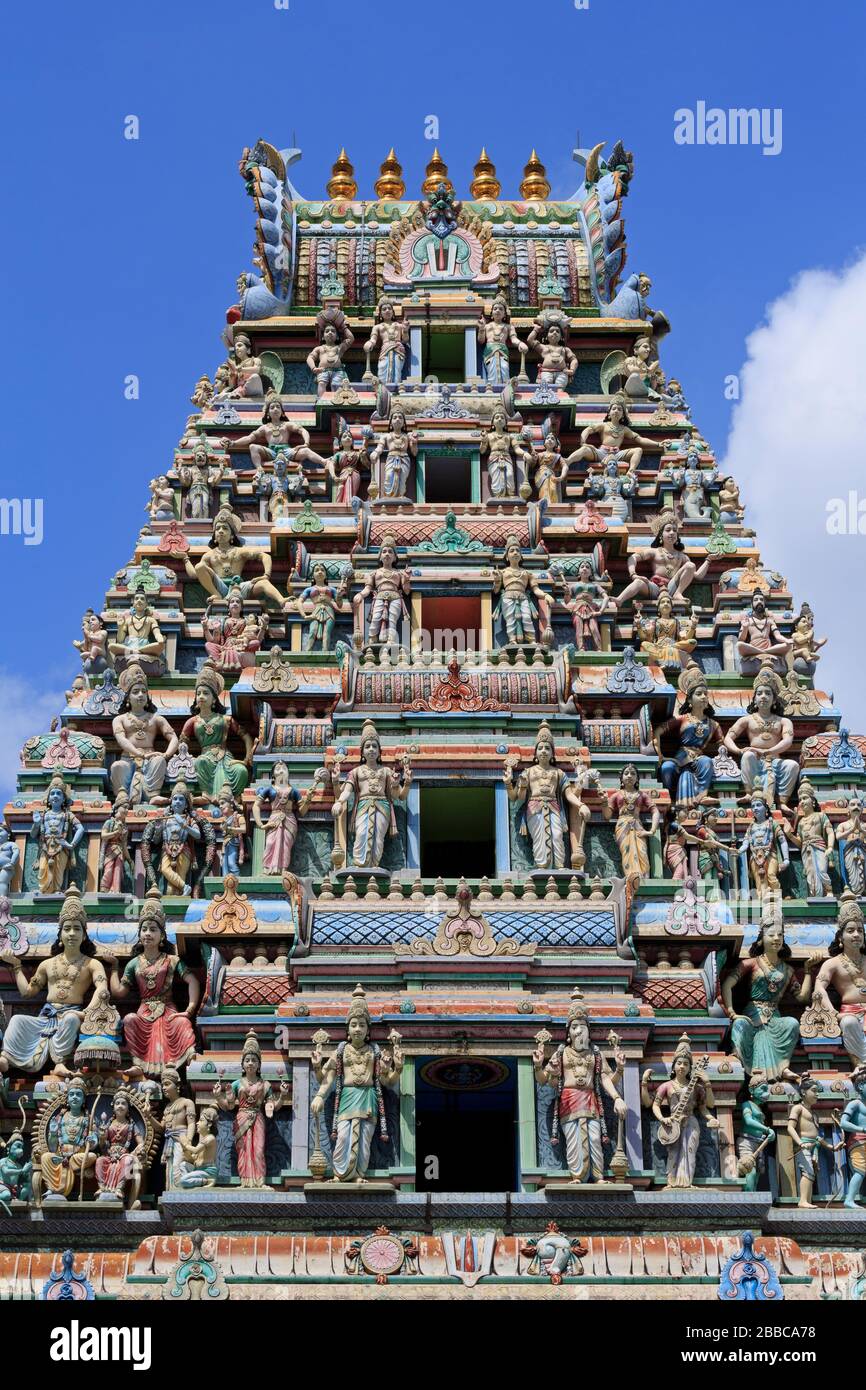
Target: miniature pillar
{"points": [[300, 1115], [633, 1135], [413, 827], [470, 354], [527, 1147], [415, 352], [503, 830]]}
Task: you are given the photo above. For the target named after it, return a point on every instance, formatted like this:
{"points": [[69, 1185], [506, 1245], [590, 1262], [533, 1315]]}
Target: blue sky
{"points": [[121, 256]]}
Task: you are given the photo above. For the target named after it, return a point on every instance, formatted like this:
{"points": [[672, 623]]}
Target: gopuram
{"points": [[446, 875]]}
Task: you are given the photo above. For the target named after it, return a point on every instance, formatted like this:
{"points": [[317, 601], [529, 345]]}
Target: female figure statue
{"points": [[845, 972], [852, 843], [694, 495], [764, 1040], [138, 636], [67, 1155], [140, 770], [585, 600], [731, 510], [198, 1167], [398, 447], [253, 1102], [558, 363], [356, 1071], [345, 466], [387, 585], [221, 567], [157, 1035], [495, 336], [69, 972], [618, 442], [501, 451], [515, 584], [231, 642], [770, 735], [686, 1095], [281, 827], [210, 727], [320, 603], [813, 834], [115, 858], [93, 648], [580, 1074], [551, 470], [688, 774], [628, 805], [390, 335], [272, 439], [543, 792], [666, 640], [121, 1146], [177, 1127], [671, 569], [374, 789], [59, 834]]}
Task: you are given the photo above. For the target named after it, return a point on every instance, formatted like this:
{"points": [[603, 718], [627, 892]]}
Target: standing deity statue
{"points": [[805, 1135], [558, 363], [853, 1126], [253, 1102], [618, 443], [688, 773], [356, 1071], [66, 1154], [755, 1133], [580, 1075], [544, 793], [688, 1098], [177, 832], [58, 834], [813, 835], [398, 446], [200, 476], [271, 440], [115, 860], [373, 789], [387, 586], [496, 335], [550, 469], [628, 805], [671, 569], [231, 641], [514, 584], [760, 641], [345, 466], [140, 770], [326, 360], [763, 1039], [851, 834], [770, 734], [280, 830], [320, 603], [845, 973], [501, 449], [156, 1034], [176, 1126], [69, 973], [233, 828], [221, 567], [9, 857], [93, 647], [210, 727], [139, 640], [765, 848], [16, 1171], [390, 336], [667, 640], [585, 600]]}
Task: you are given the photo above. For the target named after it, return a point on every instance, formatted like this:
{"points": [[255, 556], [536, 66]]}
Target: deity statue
{"points": [[845, 973], [851, 834], [765, 848], [618, 442], [514, 584], [121, 1147], [16, 1171], [199, 477], [805, 646], [558, 363], [320, 603], [691, 480], [688, 773], [586, 601], [326, 360], [285, 484], [613, 487], [755, 1133], [243, 372], [271, 440], [93, 648], [157, 1035], [398, 446], [115, 860], [65, 1154], [770, 735], [669, 641], [139, 640], [177, 1126], [253, 1102], [687, 1095], [229, 813], [501, 449], [671, 569], [198, 1167], [140, 770], [58, 834], [176, 833], [551, 470], [853, 1126], [390, 336], [731, 510], [220, 569], [813, 835], [69, 972], [763, 1040], [231, 642], [9, 857], [387, 586], [579, 1074], [344, 467], [281, 827], [642, 371], [496, 335], [161, 504], [760, 640], [714, 859], [544, 793], [805, 1134], [210, 727], [374, 789], [356, 1071], [628, 805]]}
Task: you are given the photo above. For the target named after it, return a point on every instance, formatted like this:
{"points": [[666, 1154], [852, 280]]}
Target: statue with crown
{"points": [[546, 798], [356, 1071]]}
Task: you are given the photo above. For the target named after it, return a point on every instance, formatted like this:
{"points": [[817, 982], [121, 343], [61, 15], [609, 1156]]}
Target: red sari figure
{"points": [[157, 1034], [119, 1163], [253, 1101]]}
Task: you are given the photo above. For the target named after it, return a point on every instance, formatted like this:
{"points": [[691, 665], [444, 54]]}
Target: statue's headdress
{"points": [[358, 1005], [133, 675]]}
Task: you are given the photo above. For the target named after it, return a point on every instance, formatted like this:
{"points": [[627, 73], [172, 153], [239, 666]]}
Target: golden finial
{"points": [[485, 184], [436, 173], [534, 184], [342, 183], [390, 183]]}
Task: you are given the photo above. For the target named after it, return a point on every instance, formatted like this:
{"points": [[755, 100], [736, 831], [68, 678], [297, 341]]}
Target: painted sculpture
{"points": [[280, 828], [157, 1035], [390, 337], [844, 973], [373, 790], [210, 727], [544, 795], [496, 334], [57, 833], [140, 770], [628, 805], [386, 585], [688, 773], [516, 588], [762, 1038], [679, 1104], [770, 734], [253, 1102]]}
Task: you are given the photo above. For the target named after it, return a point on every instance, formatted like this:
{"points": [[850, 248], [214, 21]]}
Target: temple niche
{"points": [[446, 813]]}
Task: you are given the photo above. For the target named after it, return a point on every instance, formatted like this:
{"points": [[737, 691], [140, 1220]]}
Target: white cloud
{"points": [[797, 441], [25, 709]]}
